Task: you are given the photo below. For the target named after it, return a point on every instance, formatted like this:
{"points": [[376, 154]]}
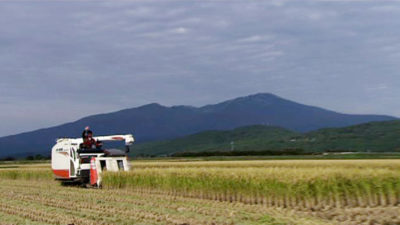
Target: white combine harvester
{"points": [[71, 164]]}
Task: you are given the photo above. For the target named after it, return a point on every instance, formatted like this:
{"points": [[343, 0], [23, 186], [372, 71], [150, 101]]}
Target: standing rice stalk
{"points": [[305, 185]]}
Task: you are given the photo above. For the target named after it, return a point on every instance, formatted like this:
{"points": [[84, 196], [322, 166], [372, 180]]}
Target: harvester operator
{"points": [[88, 141]]}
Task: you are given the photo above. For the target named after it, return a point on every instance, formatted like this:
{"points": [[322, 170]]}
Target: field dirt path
{"points": [[34, 202]]}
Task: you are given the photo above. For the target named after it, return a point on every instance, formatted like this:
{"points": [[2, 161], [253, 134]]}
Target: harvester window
{"points": [[120, 164], [103, 165], [73, 153], [71, 168]]}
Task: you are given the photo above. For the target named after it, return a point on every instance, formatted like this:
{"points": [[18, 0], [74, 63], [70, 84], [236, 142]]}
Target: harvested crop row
{"points": [[54, 204], [7, 219]]}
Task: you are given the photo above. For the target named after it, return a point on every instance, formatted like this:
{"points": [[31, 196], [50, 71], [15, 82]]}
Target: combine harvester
{"points": [[72, 164]]}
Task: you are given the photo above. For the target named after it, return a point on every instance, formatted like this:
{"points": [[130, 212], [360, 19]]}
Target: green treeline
{"points": [[268, 140]]}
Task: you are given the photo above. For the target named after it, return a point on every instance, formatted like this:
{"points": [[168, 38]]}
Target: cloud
{"points": [[96, 57], [378, 87], [255, 38], [179, 30], [386, 8]]}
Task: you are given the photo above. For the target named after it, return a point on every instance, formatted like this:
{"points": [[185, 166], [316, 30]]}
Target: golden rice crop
{"points": [[276, 183], [385, 163], [27, 174]]}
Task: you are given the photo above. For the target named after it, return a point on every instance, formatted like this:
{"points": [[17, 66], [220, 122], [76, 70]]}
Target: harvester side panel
{"points": [[60, 161]]}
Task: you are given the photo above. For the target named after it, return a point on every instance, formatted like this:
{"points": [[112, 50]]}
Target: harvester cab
{"points": [[71, 163]]}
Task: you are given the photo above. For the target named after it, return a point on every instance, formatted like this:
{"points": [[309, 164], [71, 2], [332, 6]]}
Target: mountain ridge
{"points": [[153, 121]]}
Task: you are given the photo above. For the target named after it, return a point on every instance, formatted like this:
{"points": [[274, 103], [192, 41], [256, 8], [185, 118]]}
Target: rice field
{"points": [[210, 192], [308, 184]]}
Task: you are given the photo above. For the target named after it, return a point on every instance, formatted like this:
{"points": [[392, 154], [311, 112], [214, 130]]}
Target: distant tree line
{"points": [[38, 157], [242, 153], [29, 158]]}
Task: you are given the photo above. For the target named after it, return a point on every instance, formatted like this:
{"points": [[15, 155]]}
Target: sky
{"points": [[63, 60]]}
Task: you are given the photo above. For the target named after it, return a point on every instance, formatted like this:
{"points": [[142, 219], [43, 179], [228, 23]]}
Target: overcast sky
{"points": [[62, 60]]}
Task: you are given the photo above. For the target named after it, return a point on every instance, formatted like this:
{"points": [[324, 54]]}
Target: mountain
{"points": [[373, 136], [156, 122]]}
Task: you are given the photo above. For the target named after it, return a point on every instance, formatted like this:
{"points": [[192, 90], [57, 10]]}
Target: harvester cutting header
{"points": [[84, 159]]}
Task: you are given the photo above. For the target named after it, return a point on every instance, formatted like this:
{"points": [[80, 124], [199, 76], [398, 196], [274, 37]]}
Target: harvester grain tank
{"points": [[72, 164]]}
